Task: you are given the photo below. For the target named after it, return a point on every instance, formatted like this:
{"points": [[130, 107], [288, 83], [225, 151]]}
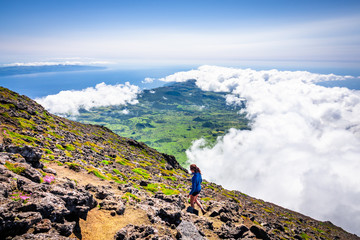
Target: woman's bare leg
{"points": [[198, 203], [192, 200]]}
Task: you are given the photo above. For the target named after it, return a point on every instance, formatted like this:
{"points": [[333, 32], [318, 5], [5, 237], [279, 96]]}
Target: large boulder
{"points": [[31, 155], [42, 236], [259, 232], [113, 205], [177, 200], [170, 216], [134, 232], [229, 230], [188, 231], [17, 223]]}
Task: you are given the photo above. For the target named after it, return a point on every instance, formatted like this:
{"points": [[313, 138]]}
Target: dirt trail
{"points": [[101, 225], [82, 177]]}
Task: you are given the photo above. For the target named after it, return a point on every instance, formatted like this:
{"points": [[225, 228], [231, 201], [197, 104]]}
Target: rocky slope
{"points": [[61, 179]]}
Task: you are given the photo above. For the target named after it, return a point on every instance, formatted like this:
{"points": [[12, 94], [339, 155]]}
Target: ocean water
{"points": [[353, 84], [43, 84]]}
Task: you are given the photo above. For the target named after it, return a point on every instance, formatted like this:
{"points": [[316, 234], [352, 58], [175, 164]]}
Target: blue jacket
{"points": [[196, 183]]}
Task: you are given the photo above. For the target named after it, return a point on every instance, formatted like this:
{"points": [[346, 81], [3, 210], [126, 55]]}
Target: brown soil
{"points": [[100, 225]]}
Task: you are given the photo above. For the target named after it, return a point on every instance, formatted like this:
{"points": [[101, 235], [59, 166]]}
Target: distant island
{"points": [[171, 117], [17, 70]]}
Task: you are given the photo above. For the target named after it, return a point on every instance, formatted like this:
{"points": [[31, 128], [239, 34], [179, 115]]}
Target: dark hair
{"points": [[195, 168]]}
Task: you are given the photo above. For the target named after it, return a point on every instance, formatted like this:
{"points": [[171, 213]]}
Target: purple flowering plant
{"points": [[20, 196], [49, 179]]}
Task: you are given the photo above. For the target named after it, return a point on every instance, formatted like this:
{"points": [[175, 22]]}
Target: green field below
{"points": [[170, 118]]}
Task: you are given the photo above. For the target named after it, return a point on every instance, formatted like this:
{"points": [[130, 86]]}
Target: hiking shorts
{"points": [[195, 193]]}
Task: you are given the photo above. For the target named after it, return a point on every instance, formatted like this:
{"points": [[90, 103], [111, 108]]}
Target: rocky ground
{"points": [[65, 180]]}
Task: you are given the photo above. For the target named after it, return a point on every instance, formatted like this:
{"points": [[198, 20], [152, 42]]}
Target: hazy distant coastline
{"points": [[19, 70]]}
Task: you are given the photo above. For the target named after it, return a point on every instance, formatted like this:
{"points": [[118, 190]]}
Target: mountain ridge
{"points": [[61, 179]]}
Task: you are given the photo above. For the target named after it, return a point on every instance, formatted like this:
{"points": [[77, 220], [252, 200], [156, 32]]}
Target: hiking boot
{"points": [[203, 211], [190, 210]]}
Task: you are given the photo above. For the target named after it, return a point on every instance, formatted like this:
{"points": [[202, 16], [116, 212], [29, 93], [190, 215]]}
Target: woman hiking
{"points": [[195, 187]]}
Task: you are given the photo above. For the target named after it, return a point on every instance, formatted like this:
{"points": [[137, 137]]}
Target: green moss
{"points": [[257, 223], [55, 135], [115, 178], [60, 147], [51, 157], [169, 191], [210, 186], [7, 105], [121, 162], [142, 172], [152, 187], [268, 210], [44, 161], [318, 230], [70, 147], [120, 173], [258, 202], [304, 236], [206, 199], [14, 167], [167, 172], [46, 116], [48, 151], [106, 162], [231, 194], [170, 178], [42, 173], [145, 164], [97, 173], [24, 123], [78, 144], [95, 150], [128, 195], [59, 163], [137, 177], [74, 166], [21, 139], [68, 154], [124, 162], [136, 186], [5, 114]]}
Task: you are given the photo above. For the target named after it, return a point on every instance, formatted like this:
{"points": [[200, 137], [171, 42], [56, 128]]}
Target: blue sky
{"points": [[180, 32]]}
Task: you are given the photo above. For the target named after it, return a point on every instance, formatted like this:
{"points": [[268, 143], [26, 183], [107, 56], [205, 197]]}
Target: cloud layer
{"points": [[69, 102], [303, 151]]}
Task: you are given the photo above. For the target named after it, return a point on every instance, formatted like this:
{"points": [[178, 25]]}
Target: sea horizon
{"points": [[37, 85]]}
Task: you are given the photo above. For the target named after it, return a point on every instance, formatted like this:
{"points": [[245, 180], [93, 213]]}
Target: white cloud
{"points": [[303, 151], [148, 80], [125, 111], [69, 102]]}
